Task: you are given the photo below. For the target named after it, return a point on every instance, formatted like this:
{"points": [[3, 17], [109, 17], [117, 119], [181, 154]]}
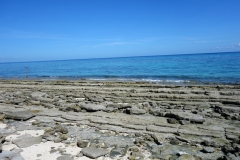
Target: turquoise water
{"points": [[202, 68]]}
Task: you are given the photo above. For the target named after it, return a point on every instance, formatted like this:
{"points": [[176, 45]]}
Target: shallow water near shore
{"points": [[188, 68]]}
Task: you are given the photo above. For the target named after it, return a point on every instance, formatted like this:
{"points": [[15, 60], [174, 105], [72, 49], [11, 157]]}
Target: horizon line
{"points": [[121, 57]]}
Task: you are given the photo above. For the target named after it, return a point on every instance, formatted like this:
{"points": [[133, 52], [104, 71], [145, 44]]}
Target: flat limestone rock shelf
{"points": [[118, 120]]}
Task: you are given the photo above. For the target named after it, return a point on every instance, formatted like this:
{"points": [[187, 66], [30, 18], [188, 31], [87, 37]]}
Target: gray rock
{"points": [[137, 111], [192, 129], [210, 156], [204, 105], [92, 107], [38, 94], [19, 115], [208, 149], [231, 156], [172, 121], [116, 141], [216, 142], [186, 157], [187, 116], [95, 98], [61, 129], [45, 100], [82, 143], [63, 137], [158, 138], [2, 116], [10, 155], [26, 141], [117, 152], [161, 129], [138, 155], [155, 111], [229, 109], [183, 122], [94, 152], [118, 106], [65, 157]]}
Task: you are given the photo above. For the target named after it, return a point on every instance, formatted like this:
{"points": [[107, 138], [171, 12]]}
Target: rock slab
{"points": [[19, 115], [93, 152]]}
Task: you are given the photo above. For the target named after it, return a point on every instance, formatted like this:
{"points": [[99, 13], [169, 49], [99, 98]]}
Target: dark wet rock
{"points": [[174, 141], [82, 143], [10, 155], [26, 141], [231, 156], [172, 121], [228, 149], [94, 152], [2, 138], [19, 115], [92, 107], [186, 116], [237, 147]]}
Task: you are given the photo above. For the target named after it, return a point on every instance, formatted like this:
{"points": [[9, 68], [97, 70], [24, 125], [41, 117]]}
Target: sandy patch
{"points": [[2, 125], [42, 151], [9, 147], [33, 133]]}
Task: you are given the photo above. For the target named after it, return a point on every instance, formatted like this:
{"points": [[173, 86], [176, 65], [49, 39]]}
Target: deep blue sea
{"points": [[187, 68]]}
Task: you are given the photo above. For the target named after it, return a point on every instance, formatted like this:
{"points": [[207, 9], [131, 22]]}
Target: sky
{"points": [[40, 30]]}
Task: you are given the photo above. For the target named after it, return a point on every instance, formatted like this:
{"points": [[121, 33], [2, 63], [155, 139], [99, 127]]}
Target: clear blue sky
{"points": [[32, 30]]}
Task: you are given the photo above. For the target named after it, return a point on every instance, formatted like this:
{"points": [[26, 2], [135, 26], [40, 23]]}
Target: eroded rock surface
{"points": [[128, 120]]}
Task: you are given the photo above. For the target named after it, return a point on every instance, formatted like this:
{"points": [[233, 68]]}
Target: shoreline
{"points": [[122, 80], [84, 119]]}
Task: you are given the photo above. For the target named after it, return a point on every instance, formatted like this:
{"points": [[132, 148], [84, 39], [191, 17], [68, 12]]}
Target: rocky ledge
{"points": [[70, 120]]}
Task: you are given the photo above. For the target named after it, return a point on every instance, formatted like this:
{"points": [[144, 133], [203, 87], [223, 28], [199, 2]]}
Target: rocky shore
{"points": [[83, 119]]}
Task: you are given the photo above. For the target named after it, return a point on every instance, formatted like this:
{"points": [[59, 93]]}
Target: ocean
{"points": [[220, 68]]}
